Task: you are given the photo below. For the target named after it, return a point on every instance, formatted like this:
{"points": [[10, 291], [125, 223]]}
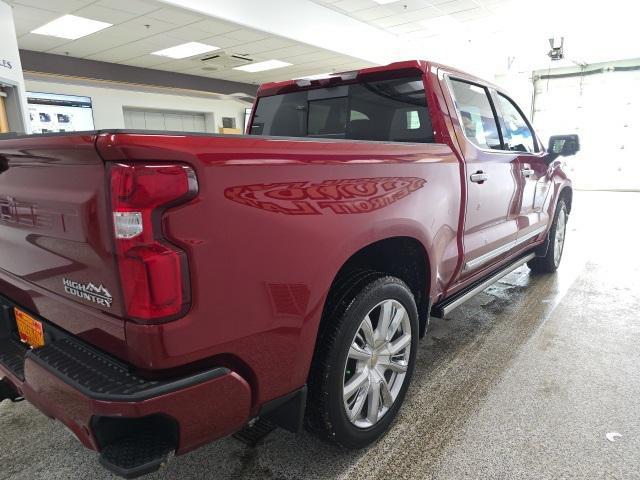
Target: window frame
{"points": [[450, 79], [536, 145], [491, 91]]}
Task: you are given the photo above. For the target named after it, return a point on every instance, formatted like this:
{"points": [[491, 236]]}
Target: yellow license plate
{"points": [[29, 329]]}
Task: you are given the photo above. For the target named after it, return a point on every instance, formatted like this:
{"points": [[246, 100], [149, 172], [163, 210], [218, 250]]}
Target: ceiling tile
{"points": [[472, 14], [27, 19], [187, 34], [214, 27], [353, 5], [103, 14], [176, 65], [221, 41], [373, 13], [457, 6], [125, 52], [292, 51], [264, 45], [139, 7], [32, 41], [58, 6], [142, 27], [408, 5], [176, 16], [146, 61], [405, 28], [244, 35], [100, 41]]}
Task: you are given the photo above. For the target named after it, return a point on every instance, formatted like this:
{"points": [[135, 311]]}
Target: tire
{"points": [[359, 363], [551, 261]]}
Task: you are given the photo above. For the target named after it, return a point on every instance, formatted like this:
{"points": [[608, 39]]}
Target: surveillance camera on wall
{"points": [[557, 48]]}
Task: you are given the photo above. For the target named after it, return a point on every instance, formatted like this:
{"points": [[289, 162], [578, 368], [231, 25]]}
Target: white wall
{"points": [[11, 69], [108, 102]]}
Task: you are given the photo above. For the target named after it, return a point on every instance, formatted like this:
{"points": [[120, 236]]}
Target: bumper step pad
{"points": [[136, 455], [253, 434], [12, 356], [103, 378]]}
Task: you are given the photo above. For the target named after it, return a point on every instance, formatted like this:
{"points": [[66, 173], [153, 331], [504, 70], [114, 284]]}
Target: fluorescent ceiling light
{"points": [[262, 66], [71, 27], [186, 50], [384, 2]]}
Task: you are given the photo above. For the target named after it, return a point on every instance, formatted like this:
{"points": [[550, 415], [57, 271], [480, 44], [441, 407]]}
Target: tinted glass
{"points": [[389, 110], [515, 131], [476, 115]]}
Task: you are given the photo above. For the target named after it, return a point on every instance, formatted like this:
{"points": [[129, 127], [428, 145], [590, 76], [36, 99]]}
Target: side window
{"points": [[476, 114], [517, 134]]}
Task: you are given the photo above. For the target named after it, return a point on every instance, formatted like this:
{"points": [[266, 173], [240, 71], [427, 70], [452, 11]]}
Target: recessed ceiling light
{"points": [[384, 2], [71, 27], [262, 66], [186, 50]]}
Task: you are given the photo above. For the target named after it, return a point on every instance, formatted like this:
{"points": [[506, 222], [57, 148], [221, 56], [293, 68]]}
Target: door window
{"points": [[515, 131], [476, 114]]}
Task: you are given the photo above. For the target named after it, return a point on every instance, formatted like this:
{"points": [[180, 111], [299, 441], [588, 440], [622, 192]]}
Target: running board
{"points": [[446, 306]]}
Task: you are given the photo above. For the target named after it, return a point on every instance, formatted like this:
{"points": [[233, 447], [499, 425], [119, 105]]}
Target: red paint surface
{"points": [[273, 222]]}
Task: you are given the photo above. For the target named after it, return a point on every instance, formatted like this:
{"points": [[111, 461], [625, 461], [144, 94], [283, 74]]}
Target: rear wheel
{"points": [[551, 261], [364, 362]]}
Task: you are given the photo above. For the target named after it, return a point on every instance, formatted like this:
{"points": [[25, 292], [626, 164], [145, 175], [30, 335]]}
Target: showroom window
{"points": [[390, 110], [476, 114], [516, 133]]}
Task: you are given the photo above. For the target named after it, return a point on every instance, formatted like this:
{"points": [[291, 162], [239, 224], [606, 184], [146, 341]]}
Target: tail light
{"points": [[153, 272]]}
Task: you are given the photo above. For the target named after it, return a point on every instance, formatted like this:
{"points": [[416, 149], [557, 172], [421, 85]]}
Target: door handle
{"points": [[527, 172], [479, 177]]}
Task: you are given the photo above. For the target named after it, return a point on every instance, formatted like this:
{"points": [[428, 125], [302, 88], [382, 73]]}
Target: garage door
{"points": [[166, 120], [603, 108]]}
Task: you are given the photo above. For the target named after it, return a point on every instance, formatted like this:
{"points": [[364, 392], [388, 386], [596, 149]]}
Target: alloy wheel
{"points": [[377, 363], [561, 226]]}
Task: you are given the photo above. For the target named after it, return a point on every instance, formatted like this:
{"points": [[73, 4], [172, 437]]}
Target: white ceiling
{"points": [[144, 26], [487, 37]]}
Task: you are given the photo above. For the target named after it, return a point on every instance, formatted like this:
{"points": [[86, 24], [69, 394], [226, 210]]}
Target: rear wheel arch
{"points": [[402, 257]]}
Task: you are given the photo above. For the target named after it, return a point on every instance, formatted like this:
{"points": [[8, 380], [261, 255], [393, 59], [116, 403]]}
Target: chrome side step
{"points": [[447, 305]]}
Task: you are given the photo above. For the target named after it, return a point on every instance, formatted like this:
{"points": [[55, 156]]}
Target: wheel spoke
{"points": [[361, 398], [354, 383], [367, 330], [373, 407], [395, 323], [387, 398], [398, 367], [384, 320], [358, 353], [400, 344]]}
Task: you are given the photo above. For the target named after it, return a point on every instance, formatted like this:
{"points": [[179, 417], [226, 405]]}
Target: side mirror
{"points": [[563, 145]]}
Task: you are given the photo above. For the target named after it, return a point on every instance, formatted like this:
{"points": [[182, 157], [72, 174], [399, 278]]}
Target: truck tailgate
{"points": [[55, 246]]}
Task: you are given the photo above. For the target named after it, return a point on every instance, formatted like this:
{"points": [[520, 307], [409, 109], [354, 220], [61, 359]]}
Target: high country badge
{"points": [[88, 291]]}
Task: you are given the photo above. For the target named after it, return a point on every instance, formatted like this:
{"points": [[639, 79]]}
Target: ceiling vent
{"points": [[222, 61]]}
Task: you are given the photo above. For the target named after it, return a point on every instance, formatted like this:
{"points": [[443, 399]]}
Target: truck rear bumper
{"points": [[98, 398]]}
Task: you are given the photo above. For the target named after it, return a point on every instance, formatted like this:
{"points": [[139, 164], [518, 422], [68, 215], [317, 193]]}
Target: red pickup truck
{"points": [[161, 290]]}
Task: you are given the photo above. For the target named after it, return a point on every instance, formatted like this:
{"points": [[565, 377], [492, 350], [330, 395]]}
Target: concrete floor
{"points": [[524, 381]]}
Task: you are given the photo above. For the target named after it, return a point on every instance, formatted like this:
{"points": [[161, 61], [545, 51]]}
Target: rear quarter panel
{"points": [[273, 222]]}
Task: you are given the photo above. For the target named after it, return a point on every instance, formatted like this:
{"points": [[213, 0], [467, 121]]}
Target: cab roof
{"points": [[404, 67]]}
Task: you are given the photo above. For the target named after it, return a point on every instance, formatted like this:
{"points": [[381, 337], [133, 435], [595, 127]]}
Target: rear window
{"points": [[389, 110]]}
